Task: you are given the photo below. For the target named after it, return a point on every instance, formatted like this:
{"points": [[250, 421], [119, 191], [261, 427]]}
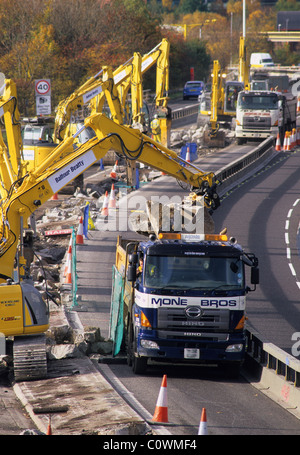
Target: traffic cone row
{"points": [[287, 146], [161, 409], [109, 201], [291, 139], [113, 173]]}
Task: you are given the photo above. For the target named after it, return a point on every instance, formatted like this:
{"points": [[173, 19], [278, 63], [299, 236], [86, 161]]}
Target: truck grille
{"points": [[257, 123], [174, 323]]}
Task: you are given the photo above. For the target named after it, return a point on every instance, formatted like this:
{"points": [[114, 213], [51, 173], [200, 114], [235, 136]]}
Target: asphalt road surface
{"points": [[263, 214]]}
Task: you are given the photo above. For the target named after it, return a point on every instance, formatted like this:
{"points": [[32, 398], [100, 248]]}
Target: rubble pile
{"points": [[197, 134]]}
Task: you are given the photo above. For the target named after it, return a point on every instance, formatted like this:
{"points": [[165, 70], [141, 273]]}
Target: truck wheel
{"points": [[139, 365]]}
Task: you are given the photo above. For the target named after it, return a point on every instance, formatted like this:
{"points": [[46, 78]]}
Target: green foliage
{"points": [[190, 6], [287, 5]]}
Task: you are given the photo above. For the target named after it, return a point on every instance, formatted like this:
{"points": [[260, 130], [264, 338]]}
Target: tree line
{"points": [[68, 41]]}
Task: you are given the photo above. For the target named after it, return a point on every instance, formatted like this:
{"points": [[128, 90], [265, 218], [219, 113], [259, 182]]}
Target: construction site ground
{"points": [[75, 394]]}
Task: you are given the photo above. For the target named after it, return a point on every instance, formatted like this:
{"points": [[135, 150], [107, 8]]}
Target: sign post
{"points": [[43, 96]]}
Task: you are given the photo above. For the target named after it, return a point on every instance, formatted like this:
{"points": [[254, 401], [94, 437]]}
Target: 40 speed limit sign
{"points": [[42, 87], [43, 96]]}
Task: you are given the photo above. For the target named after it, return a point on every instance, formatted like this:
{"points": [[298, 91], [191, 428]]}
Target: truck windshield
{"points": [[193, 272], [258, 101]]}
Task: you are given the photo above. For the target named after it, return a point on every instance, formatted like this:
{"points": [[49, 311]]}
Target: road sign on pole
{"points": [[42, 87], [43, 96]]}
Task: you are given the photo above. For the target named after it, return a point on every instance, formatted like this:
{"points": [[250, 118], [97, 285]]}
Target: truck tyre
{"points": [[139, 365]]}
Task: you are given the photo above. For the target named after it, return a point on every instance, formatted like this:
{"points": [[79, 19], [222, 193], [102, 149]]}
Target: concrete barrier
{"points": [[274, 372]]}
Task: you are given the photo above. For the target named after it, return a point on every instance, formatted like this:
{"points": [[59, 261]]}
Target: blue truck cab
{"points": [[185, 300]]}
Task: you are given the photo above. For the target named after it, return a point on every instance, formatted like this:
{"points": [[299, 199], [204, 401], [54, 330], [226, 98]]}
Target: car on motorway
{"points": [[192, 89]]}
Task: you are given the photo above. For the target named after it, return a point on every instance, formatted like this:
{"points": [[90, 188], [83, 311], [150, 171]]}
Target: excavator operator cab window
{"points": [[231, 94]]}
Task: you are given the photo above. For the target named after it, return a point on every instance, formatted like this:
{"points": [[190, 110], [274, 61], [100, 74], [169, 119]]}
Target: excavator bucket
{"points": [[214, 139]]}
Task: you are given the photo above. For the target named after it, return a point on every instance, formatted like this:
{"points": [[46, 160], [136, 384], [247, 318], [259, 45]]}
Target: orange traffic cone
{"points": [[289, 142], [285, 142], [54, 197], [278, 144], [298, 104], [161, 409], [69, 256], [79, 235], [49, 429], [68, 277], [104, 211], [112, 197], [203, 423], [113, 173], [293, 139], [298, 136], [188, 155]]}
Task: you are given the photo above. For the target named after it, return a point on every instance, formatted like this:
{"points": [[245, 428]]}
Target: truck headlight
{"points": [[234, 348], [149, 344]]}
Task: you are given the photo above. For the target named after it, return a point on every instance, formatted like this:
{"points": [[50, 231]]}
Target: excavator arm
{"points": [[64, 164], [92, 92], [92, 88], [244, 67], [23, 311], [11, 160]]}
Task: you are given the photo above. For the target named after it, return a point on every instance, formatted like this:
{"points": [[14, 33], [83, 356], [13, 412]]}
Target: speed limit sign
{"points": [[42, 87]]}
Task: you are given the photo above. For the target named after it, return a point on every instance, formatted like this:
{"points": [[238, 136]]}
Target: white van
{"points": [[260, 60]]}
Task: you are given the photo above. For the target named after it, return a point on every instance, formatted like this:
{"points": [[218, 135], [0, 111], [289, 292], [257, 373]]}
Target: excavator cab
{"points": [[231, 92]]}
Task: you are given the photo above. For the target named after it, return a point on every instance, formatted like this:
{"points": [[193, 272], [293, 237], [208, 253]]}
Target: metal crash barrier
{"points": [[245, 166], [184, 112]]}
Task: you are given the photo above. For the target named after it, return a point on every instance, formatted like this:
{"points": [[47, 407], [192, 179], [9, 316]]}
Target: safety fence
{"points": [[184, 112], [238, 170]]}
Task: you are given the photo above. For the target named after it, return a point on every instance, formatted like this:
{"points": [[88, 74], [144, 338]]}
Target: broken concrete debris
{"points": [[51, 250]]}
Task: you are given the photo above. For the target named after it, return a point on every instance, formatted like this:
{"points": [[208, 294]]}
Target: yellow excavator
{"points": [[41, 135], [23, 313], [223, 98]]}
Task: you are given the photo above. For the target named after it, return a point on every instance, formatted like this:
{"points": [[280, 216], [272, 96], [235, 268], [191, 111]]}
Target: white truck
{"points": [[264, 113]]}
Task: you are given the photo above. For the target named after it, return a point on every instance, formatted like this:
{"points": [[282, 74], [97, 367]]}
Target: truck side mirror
{"points": [[133, 258], [254, 275], [131, 272]]}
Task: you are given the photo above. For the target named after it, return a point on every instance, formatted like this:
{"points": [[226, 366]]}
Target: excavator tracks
{"points": [[30, 358]]}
